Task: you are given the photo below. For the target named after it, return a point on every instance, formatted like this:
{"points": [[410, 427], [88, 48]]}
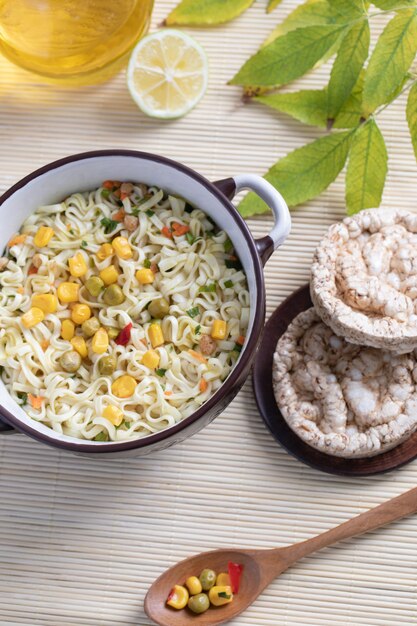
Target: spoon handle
{"points": [[389, 511]]}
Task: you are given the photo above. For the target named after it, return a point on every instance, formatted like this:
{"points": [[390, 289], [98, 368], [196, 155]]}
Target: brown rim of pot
{"points": [[233, 378]]}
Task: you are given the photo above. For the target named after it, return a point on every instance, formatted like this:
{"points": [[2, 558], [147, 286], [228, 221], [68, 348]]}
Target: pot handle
{"points": [[282, 226]]}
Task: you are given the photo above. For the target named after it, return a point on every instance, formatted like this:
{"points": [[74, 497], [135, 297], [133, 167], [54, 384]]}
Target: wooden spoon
{"points": [[260, 566]]}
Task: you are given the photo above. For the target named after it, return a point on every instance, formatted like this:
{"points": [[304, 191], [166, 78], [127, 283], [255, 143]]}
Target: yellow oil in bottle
{"points": [[72, 41]]}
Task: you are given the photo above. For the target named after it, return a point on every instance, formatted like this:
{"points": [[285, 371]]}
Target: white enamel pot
{"points": [[86, 171]]}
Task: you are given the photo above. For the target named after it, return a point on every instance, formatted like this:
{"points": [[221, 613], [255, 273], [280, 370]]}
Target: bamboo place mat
{"points": [[81, 540]]}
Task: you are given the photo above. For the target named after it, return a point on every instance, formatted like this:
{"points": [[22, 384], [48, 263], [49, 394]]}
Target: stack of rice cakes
{"points": [[345, 371]]}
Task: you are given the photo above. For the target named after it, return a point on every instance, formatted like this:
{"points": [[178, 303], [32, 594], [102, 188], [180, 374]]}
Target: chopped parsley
{"points": [[147, 263], [228, 283], [238, 347], [197, 330], [190, 238], [160, 372], [233, 264], [109, 225], [126, 424], [72, 231], [223, 594], [194, 311], [84, 244], [105, 193], [150, 213], [228, 246], [23, 397], [208, 288], [101, 437]]}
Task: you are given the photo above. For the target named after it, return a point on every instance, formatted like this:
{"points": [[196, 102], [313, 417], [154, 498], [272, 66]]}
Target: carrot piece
{"points": [[180, 229], [197, 356], [108, 184], [44, 344], [16, 239], [168, 393], [166, 232], [35, 401], [241, 340], [119, 215], [203, 385], [124, 195], [32, 270]]}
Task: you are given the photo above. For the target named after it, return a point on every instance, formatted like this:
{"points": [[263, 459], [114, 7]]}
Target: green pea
{"points": [[112, 332], [90, 327], [113, 295], [94, 285], [159, 308], [107, 365], [199, 603], [207, 579], [70, 361]]}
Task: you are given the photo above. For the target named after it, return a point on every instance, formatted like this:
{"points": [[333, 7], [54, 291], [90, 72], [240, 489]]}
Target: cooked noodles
{"points": [[146, 313]]}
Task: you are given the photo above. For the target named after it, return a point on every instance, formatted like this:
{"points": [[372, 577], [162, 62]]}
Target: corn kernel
{"points": [[122, 247], [47, 302], [32, 317], [68, 292], [155, 335], [109, 275], [124, 386], [145, 276], [77, 265], [151, 359], [105, 251], [67, 330], [80, 313], [113, 414], [223, 579], [43, 236], [219, 329], [78, 343], [178, 597], [193, 585], [100, 341], [217, 599]]}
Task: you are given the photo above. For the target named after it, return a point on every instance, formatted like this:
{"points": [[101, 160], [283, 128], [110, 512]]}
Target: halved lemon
{"points": [[167, 74]]}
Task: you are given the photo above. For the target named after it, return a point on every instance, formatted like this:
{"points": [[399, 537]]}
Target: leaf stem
{"points": [[406, 88]]}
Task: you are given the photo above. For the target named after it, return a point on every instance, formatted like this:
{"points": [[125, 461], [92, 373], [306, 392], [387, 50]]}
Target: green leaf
{"points": [[312, 12], [412, 116], [289, 56], [304, 173], [272, 4], [367, 168], [206, 12], [389, 5], [308, 106], [351, 112], [391, 59], [349, 9], [352, 54]]}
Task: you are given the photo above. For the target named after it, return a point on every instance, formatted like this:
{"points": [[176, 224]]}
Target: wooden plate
{"points": [[262, 386]]}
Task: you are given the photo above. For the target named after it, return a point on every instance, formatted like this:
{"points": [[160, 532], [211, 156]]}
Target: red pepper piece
{"points": [[171, 594], [235, 572], [123, 337]]}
